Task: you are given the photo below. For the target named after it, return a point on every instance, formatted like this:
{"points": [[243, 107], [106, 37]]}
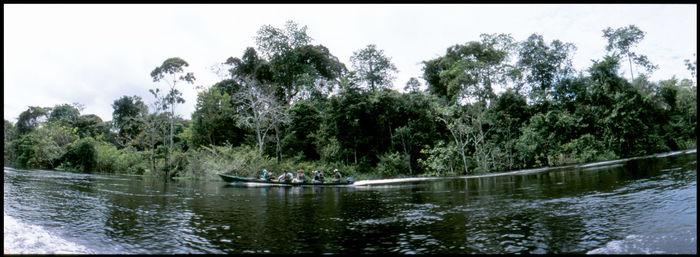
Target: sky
{"points": [[95, 54]]}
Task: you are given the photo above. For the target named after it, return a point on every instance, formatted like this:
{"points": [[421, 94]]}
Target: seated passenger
{"points": [[318, 177], [282, 177], [300, 177], [289, 177], [336, 176], [264, 175]]}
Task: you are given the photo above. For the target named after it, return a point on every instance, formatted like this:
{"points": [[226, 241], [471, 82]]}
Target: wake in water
{"points": [[602, 164], [20, 238]]}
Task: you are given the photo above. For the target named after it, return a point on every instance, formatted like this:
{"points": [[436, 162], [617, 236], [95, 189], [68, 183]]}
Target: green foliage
{"points": [[90, 125], [128, 116], [37, 151], [470, 70], [544, 65], [242, 160], [212, 120], [441, 160], [304, 122], [28, 120], [80, 156], [620, 42], [373, 67], [391, 165], [583, 149], [63, 113]]}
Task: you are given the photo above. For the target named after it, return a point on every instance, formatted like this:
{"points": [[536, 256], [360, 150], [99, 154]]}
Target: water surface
{"points": [[639, 205]]}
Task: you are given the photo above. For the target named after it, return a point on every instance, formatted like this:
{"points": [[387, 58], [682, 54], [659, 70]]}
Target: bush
{"points": [[210, 160], [131, 161], [442, 159], [391, 164], [586, 149], [36, 150], [80, 156], [107, 155], [127, 160]]}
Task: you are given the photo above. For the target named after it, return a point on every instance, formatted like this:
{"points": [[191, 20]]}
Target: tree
{"points": [[457, 121], [89, 125], [544, 65], [274, 41], [405, 136], [29, 120], [304, 123], [295, 69], [620, 42], [10, 132], [64, 113], [373, 67], [212, 122], [154, 130], [469, 72], [412, 86], [259, 110], [173, 68], [692, 67], [128, 115]]}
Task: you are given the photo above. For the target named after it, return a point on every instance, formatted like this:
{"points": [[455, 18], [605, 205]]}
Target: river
{"points": [[645, 205]]}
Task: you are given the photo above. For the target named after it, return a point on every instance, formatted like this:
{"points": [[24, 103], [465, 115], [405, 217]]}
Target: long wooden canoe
{"points": [[234, 178]]}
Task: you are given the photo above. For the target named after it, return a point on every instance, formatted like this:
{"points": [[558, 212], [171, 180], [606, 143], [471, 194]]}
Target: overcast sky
{"points": [[94, 54]]}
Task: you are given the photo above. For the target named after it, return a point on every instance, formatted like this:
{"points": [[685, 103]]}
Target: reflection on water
{"points": [[638, 205]]}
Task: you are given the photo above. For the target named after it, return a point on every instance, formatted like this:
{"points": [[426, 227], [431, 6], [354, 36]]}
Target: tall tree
{"points": [[173, 69], [296, 69], [128, 115], [259, 110], [64, 113], [212, 122], [373, 67], [276, 42], [620, 42], [470, 71], [89, 125], [457, 121], [693, 68], [544, 65], [412, 86], [29, 120]]}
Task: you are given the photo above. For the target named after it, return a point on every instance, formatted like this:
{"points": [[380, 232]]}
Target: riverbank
{"points": [[519, 172]]}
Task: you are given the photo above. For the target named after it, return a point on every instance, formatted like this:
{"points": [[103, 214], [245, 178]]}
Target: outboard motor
{"points": [[351, 180]]}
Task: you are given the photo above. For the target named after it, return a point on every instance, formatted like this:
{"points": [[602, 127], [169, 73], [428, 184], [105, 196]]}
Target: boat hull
{"points": [[234, 178]]}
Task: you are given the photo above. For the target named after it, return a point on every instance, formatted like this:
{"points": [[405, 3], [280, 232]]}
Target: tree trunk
{"points": [[410, 169], [277, 137], [630, 60], [464, 160], [370, 72], [170, 155], [408, 155]]}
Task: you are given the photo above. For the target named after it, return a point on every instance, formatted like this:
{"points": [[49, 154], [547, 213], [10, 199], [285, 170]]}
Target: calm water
{"points": [[645, 205]]}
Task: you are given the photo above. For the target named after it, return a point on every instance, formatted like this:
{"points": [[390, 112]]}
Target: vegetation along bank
{"points": [[289, 104]]}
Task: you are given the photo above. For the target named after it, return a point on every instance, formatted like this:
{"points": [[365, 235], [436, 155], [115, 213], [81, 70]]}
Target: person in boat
{"points": [[300, 177], [285, 177], [264, 175], [282, 176], [318, 177], [271, 175], [336, 176]]}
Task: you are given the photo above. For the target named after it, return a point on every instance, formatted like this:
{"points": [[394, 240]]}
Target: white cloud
{"points": [[94, 54]]}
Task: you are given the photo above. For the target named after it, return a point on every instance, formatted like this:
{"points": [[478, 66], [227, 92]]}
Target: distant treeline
{"points": [[290, 104]]}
